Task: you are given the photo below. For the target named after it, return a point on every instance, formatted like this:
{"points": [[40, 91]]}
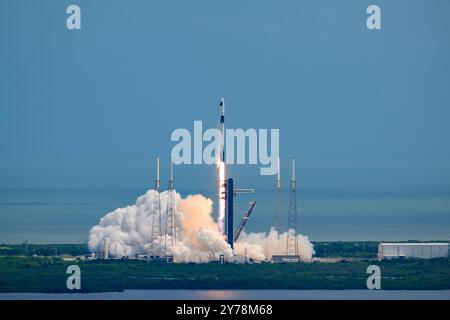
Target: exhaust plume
{"points": [[198, 236]]}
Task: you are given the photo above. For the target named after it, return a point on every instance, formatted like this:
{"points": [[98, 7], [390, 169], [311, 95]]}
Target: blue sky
{"points": [[359, 109]]}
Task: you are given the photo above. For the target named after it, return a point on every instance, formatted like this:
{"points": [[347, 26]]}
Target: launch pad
{"points": [[226, 190]]}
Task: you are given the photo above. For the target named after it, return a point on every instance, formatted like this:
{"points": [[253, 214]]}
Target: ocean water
{"points": [[238, 295], [66, 215]]}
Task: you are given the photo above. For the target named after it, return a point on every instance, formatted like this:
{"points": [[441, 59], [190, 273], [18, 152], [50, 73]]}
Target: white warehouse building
{"points": [[413, 250]]}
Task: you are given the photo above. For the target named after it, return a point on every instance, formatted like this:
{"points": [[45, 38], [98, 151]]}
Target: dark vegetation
{"points": [[346, 249], [45, 250], [48, 274]]}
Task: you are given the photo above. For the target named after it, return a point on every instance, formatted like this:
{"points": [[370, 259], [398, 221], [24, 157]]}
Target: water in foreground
{"points": [[238, 295]]}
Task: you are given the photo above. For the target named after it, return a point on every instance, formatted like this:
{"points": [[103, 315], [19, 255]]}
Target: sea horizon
{"points": [[65, 215]]}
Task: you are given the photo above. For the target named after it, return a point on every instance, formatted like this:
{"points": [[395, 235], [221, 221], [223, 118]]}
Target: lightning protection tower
{"points": [[156, 215], [170, 213], [279, 204], [292, 242]]}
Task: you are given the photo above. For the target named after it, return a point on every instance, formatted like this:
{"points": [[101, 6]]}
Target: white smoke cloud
{"points": [[262, 245], [129, 231]]}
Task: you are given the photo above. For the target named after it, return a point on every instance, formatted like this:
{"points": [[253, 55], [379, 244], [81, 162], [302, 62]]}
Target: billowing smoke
{"points": [[198, 238], [261, 246]]}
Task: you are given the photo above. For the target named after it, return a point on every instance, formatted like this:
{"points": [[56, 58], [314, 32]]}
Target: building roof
{"points": [[415, 244]]}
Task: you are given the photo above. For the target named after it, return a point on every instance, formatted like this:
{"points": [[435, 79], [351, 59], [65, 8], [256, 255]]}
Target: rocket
{"points": [[222, 130], [221, 170]]}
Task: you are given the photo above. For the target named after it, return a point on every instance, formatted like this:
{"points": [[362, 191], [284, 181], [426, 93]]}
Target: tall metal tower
{"points": [[156, 217], [279, 204], [170, 213], [292, 242]]}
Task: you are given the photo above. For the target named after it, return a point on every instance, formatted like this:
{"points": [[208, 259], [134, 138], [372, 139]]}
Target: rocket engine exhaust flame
{"points": [[221, 204]]}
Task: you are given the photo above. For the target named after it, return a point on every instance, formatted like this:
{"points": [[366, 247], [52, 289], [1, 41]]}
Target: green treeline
{"points": [[28, 274]]}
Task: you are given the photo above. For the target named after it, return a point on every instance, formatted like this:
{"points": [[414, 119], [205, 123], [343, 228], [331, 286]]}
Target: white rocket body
{"points": [[221, 169], [222, 130]]}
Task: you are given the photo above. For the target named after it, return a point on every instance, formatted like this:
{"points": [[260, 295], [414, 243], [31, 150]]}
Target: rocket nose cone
{"points": [[222, 106]]}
